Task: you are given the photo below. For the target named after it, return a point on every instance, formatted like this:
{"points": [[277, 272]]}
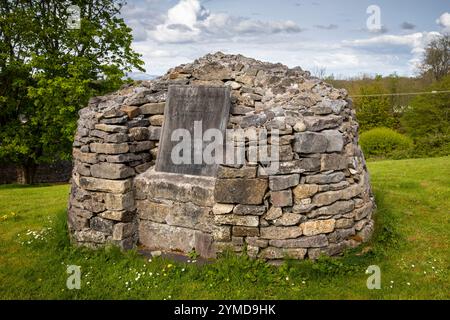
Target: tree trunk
{"points": [[26, 173]]}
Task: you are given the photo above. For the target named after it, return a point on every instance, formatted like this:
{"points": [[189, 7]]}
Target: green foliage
{"points": [[385, 143], [427, 120], [49, 71], [374, 111]]}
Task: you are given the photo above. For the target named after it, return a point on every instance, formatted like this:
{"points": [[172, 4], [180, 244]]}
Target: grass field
{"points": [[411, 246]]}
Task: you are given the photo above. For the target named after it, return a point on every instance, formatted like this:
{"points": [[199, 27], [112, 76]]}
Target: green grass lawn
{"points": [[411, 246]]}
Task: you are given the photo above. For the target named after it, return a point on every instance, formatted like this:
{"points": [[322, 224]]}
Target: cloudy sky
{"points": [[345, 37]]}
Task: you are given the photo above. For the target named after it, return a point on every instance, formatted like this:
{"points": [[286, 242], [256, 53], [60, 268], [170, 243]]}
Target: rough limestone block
{"points": [[303, 191], [109, 148], [279, 253], [236, 220], [311, 228], [123, 230], [243, 191], [277, 183], [245, 209], [320, 240], [153, 108], [113, 186], [111, 171], [281, 198], [274, 232], [119, 201]]}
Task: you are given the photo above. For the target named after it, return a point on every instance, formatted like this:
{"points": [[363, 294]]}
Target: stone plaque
{"points": [[190, 111]]}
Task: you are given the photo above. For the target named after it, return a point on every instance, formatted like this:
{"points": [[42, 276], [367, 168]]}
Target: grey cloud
{"points": [[407, 26], [327, 27]]}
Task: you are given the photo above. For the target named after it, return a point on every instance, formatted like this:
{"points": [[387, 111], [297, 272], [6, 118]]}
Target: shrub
{"points": [[385, 143]]}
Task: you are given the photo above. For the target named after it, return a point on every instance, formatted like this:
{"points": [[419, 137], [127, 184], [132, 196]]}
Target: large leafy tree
{"points": [[48, 71], [436, 61]]}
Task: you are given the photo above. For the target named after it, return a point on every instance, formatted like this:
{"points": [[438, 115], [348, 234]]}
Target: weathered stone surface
{"points": [[302, 242], [341, 234], [240, 231], [299, 126], [165, 237], [275, 232], [311, 228], [281, 198], [111, 128], [245, 209], [366, 232], [142, 146], [131, 111], [244, 172], [153, 108], [116, 138], [257, 242], [120, 215], [189, 215], [237, 220], [84, 157], [139, 134], [321, 123], [364, 211], [157, 120], [183, 188], [310, 142], [325, 178], [241, 110], [335, 140], [303, 191], [325, 198], [277, 183], [155, 133], [119, 201], [222, 208], [113, 186], [273, 213], [109, 148], [102, 225], [153, 211], [283, 140], [313, 142], [339, 207], [123, 230], [333, 162], [243, 191], [278, 253], [288, 219], [111, 171], [221, 233], [90, 236]]}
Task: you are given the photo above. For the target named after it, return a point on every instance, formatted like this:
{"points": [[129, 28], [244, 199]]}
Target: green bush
{"points": [[385, 143]]}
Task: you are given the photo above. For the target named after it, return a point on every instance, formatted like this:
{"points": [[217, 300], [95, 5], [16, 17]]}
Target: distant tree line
{"points": [[425, 118]]}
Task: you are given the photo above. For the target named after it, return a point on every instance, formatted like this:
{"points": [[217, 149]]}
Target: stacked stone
{"points": [[116, 139], [318, 201]]}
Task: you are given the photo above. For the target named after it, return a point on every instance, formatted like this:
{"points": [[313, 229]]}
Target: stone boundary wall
{"points": [[319, 201], [45, 173]]}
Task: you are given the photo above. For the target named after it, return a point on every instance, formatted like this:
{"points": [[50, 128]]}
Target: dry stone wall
{"points": [[318, 201]]}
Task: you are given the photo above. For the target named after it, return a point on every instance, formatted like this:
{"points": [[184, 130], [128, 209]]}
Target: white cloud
{"points": [[412, 45], [189, 21], [444, 21]]}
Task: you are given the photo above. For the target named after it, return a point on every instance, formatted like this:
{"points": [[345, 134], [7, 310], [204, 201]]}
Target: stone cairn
{"points": [[318, 202]]}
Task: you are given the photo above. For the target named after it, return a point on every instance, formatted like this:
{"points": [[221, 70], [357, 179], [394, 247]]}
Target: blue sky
{"points": [[312, 34]]}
